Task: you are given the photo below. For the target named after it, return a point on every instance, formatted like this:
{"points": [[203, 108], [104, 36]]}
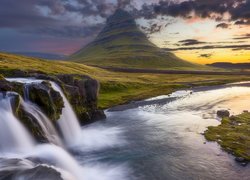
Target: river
{"points": [[156, 139]]}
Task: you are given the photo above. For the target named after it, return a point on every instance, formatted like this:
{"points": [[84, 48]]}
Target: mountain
{"points": [[228, 65], [122, 44], [49, 56]]}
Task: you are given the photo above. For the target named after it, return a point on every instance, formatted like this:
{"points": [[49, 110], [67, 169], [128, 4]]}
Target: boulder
{"points": [[25, 169], [223, 113], [49, 100], [82, 93], [242, 161]]}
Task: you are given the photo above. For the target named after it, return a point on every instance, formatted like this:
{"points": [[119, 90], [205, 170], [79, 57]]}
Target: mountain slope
{"points": [[122, 44]]}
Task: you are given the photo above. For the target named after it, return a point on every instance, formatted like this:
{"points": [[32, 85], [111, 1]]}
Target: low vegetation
{"points": [[233, 135], [116, 87]]}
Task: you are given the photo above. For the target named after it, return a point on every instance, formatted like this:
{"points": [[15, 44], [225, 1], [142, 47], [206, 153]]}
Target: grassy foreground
{"points": [[233, 135], [116, 87]]}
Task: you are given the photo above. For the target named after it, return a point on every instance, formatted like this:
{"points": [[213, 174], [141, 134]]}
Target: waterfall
{"points": [[13, 136], [68, 121], [43, 121]]}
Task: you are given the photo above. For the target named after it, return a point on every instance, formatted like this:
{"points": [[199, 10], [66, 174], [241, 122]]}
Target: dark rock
{"points": [[49, 100], [223, 113], [82, 93], [5, 85], [98, 115], [32, 125], [25, 169], [242, 161], [40, 172], [11, 86]]}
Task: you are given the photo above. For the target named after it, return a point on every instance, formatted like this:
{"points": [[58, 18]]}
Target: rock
{"points": [[49, 100], [82, 93], [242, 161], [5, 85], [32, 125], [40, 172], [25, 169], [11, 86], [223, 113]]}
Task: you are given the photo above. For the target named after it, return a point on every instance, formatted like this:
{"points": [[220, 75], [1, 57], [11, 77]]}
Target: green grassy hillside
{"points": [[122, 44], [116, 87]]}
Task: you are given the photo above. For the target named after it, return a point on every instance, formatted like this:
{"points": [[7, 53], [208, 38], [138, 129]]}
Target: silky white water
{"points": [[13, 136], [83, 140], [158, 141], [43, 121], [68, 121]]}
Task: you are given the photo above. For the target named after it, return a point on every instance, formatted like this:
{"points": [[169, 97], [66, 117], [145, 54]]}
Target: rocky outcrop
{"points": [[49, 100], [223, 113], [82, 93]]}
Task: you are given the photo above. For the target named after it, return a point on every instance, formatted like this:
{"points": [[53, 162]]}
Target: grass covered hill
{"points": [[116, 87], [122, 44]]}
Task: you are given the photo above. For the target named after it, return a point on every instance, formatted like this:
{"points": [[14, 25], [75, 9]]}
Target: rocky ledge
{"points": [[81, 91]]}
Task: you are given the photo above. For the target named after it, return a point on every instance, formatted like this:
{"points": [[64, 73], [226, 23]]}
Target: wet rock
{"points": [[25, 169], [49, 100], [32, 125], [11, 86], [40, 173], [82, 93], [223, 113], [242, 161]]}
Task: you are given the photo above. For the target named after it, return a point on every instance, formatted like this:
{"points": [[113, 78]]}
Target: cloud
{"points": [[238, 9], [190, 42], [246, 36], [223, 25], [209, 47], [206, 55]]}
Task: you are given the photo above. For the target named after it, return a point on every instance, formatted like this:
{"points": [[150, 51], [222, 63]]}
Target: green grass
{"points": [[116, 87], [233, 135]]}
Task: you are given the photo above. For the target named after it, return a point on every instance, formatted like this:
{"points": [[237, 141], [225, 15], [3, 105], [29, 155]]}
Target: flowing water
{"points": [[159, 140], [68, 122]]}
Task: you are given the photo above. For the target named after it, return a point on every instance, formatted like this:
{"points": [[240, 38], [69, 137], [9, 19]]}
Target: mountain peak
{"points": [[120, 16], [122, 44]]}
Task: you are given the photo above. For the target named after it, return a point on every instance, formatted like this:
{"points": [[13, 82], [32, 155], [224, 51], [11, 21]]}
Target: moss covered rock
{"points": [[233, 135], [82, 93], [49, 100]]}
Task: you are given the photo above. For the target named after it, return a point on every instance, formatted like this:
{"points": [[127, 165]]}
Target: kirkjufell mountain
{"points": [[122, 44]]}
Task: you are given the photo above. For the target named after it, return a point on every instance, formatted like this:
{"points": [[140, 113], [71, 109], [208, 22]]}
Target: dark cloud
{"points": [[34, 14], [210, 47], [190, 42], [239, 9], [242, 22], [223, 25], [206, 55], [19, 14], [85, 18], [246, 36]]}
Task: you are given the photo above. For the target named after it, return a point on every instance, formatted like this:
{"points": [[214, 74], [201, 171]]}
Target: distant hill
{"points": [[49, 56], [228, 65], [122, 44]]}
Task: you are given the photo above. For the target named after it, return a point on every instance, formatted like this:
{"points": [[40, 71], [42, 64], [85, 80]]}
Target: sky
{"points": [[201, 31]]}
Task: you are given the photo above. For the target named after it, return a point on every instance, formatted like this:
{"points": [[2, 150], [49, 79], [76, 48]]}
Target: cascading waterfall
{"points": [[36, 112], [68, 121], [13, 136], [43, 121]]}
